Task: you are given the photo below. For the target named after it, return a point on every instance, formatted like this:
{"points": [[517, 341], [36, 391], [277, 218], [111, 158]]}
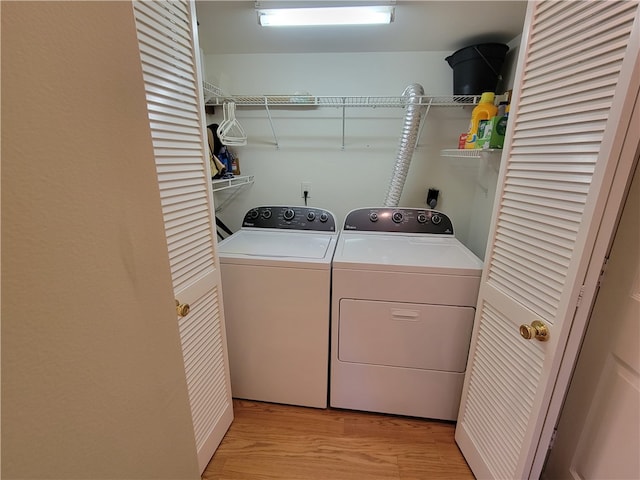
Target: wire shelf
{"points": [[468, 153], [212, 94], [237, 181], [215, 96]]}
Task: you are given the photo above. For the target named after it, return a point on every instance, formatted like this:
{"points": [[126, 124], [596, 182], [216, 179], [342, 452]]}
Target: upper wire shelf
{"points": [[215, 96]]}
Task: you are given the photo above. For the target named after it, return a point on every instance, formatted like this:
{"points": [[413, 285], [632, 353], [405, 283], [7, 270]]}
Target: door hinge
{"points": [[603, 270], [552, 441], [580, 295]]}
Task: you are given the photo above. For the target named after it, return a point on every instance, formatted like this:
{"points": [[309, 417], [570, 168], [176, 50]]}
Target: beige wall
{"points": [[92, 377], [310, 139], [358, 176]]}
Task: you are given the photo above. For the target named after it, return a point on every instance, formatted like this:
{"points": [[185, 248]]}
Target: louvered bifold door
{"points": [[564, 115], [166, 36]]}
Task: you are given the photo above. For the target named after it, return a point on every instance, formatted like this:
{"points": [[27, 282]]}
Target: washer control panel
{"points": [[401, 220], [293, 218]]}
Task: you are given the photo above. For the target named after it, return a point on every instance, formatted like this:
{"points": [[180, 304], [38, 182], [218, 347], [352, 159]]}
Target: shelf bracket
{"points": [[344, 108], [423, 120], [273, 131]]}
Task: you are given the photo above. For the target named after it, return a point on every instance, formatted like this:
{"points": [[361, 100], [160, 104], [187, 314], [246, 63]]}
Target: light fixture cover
{"points": [[326, 15]]}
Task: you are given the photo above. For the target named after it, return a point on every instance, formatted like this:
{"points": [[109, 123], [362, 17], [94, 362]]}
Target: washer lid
{"points": [[278, 245], [406, 253]]}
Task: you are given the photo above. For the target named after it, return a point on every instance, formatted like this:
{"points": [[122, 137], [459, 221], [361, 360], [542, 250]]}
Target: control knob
{"points": [[436, 219], [266, 214], [289, 214], [311, 216], [324, 217], [253, 213], [373, 216], [422, 218], [397, 217]]}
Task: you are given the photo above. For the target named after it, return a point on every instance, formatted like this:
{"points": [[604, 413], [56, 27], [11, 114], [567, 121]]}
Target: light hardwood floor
{"points": [[269, 441]]}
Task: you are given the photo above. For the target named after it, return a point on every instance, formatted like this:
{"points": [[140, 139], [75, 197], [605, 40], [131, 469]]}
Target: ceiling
{"points": [[231, 27]]}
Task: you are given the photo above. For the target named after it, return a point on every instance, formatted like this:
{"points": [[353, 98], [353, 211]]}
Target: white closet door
{"points": [[567, 111], [166, 36]]}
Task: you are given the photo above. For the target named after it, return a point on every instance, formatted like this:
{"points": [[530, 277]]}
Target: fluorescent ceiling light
{"points": [[358, 15]]}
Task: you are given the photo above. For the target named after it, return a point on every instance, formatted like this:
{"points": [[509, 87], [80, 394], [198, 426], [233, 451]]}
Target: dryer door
{"points": [[428, 337]]}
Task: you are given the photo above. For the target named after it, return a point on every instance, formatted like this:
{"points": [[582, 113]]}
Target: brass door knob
{"points": [[537, 330], [182, 309]]}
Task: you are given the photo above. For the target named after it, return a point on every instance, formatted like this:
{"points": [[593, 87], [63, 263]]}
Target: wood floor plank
{"points": [[281, 442]]}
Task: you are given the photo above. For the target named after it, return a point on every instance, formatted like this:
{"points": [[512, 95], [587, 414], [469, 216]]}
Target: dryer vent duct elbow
{"points": [[407, 144]]}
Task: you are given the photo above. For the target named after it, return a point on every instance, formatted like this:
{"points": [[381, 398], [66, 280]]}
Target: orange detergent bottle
{"points": [[485, 110]]}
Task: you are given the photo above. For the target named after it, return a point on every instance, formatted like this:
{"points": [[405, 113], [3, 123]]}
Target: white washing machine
{"points": [[403, 303], [276, 285]]}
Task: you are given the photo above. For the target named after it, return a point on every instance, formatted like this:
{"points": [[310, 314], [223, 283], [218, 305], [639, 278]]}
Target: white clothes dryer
{"points": [[276, 280], [403, 304]]}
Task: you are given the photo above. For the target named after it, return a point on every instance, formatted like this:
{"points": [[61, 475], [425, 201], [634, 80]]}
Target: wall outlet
{"points": [[305, 187]]}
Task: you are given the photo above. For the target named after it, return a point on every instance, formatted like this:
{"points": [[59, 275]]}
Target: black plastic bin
{"points": [[477, 68]]}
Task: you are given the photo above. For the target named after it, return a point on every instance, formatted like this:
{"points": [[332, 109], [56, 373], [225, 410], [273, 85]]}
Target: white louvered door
{"points": [[573, 73], [167, 41]]}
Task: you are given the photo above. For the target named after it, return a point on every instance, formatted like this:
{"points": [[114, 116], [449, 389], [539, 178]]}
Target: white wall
{"points": [[93, 382], [358, 176]]}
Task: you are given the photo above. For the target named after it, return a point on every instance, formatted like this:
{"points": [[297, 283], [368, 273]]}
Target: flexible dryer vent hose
{"points": [[407, 145]]}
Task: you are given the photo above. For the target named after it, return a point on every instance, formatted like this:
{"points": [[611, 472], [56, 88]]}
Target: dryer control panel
{"points": [[292, 218], [396, 219]]}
